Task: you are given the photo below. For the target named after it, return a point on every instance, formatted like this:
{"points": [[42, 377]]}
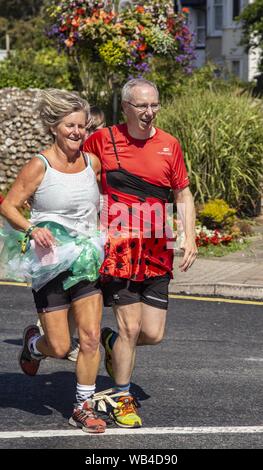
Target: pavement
{"points": [[238, 275]]}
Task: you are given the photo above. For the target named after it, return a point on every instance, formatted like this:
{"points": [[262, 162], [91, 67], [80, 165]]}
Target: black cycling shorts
{"points": [[152, 291], [53, 297]]}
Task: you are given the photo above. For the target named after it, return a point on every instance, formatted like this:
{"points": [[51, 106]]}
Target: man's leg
{"points": [[128, 318], [120, 347], [153, 325], [154, 310], [129, 321]]}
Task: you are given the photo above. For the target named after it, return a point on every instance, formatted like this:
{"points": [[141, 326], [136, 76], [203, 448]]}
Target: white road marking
{"points": [[255, 359], [117, 432]]}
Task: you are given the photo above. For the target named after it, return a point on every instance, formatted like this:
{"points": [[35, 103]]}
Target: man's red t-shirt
{"points": [[158, 160], [142, 171]]}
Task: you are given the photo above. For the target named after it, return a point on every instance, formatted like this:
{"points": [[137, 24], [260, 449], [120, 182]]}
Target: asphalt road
{"points": [[206, 373]]}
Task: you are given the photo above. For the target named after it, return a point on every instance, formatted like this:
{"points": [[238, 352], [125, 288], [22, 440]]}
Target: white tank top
{"points": [[70, 199]]}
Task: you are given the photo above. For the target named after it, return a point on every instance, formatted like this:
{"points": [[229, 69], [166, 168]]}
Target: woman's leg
{"points": [[56, 339], [87, 313], [55, 342]]}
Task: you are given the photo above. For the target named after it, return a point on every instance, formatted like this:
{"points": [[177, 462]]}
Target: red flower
{"points": [[214, 240], [75, 21], [80, 11], [170, 24], [69, 42], [142, 47]]}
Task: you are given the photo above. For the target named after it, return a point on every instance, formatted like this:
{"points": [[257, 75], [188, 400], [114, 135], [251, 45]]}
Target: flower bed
{"points": [[218, 243], [205, 237]]}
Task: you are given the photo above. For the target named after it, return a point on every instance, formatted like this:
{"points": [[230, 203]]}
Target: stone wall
{"points": [[21, 134]]}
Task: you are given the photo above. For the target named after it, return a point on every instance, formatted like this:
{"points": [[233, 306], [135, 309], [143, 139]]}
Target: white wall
{"points": [[3, 54], [232, 52]]}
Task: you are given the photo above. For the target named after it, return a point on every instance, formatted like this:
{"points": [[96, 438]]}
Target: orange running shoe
{"points": [[27, 361], [86, 418]]}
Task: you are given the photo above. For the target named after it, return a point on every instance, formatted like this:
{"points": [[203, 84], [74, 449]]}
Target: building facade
{"points": [[218, 35]]}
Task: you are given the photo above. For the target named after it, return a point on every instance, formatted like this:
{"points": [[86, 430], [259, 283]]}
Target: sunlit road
{"points": [[206, 375]]}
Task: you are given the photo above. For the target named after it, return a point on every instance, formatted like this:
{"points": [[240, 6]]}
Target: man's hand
{"points": [[186, 216], [190, 252]]}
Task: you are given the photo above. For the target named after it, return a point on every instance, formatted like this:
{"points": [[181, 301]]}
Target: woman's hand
{"points": [[43, 237]]}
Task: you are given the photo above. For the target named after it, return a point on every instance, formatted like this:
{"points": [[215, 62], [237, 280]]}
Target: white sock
{"points": [[33, 348], [83, 393]]}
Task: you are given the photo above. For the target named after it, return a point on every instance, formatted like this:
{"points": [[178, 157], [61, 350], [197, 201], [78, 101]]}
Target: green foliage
{"points": [[17, 9], [252, 25], [221, 136], [223, 250], [122, 42], [216, 214], [35, 69], [172, 82], [32, 31], [113, 52]]}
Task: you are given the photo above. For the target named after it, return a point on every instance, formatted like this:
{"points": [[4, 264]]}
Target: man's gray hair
{"points": [[55, 104], [126, 92]]}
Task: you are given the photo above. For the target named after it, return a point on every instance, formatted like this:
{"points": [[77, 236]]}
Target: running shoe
{"points": [[28, 362], [106, 334], [74, 350], [125, 414], [86, 419]]}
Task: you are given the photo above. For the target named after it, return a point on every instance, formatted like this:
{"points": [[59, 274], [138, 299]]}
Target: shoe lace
{"points": [[127, 405], [82, 415], [107, 397]]}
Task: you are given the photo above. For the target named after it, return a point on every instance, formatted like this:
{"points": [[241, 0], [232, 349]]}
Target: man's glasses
{"points": [[144, 107]]}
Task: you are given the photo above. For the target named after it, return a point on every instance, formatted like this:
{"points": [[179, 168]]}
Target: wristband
{"points": [[29, 231]]}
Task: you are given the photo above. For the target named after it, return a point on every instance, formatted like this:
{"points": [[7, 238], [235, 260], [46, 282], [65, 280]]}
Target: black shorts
{"points": [[53, 297], [152, 291]]}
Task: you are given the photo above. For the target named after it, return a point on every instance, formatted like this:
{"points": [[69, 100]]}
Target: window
{"points": [[236, 67], [236, 8], [218, 15], [200, 28]]}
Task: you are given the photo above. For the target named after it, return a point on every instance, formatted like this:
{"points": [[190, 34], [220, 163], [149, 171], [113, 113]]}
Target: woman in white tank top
{"points": [[64, 252]]}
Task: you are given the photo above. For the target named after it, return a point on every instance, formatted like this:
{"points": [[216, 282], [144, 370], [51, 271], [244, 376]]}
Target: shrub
{"points": [[216, 214], [221, 136], [35, 69], [175, 83]]}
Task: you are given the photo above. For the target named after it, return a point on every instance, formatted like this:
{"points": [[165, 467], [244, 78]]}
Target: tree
{"points": [[26, 34], [252, 19], [20, 9]]}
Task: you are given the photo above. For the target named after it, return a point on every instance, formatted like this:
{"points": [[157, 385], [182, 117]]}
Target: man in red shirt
{"points": [[140, 165]]}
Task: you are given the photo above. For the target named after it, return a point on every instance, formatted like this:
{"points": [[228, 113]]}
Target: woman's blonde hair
{"points": [[55, 104]]}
